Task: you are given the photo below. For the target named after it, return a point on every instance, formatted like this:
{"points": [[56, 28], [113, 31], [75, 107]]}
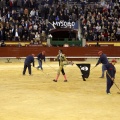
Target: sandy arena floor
{"points": [[37, 97]]}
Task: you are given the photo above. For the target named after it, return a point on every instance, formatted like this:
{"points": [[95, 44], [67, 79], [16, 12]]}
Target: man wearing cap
{"points": [[103, 59], [40, 57], [27, 64], [110, 74]]}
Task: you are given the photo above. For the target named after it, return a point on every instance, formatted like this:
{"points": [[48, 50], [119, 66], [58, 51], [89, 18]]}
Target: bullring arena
{"points": [[37, 97], [80, 28]]}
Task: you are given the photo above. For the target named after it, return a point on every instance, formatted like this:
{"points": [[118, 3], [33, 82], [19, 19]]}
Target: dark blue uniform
{"points": [[40, 57], [103, 59], [111, 74], [27, 64]]}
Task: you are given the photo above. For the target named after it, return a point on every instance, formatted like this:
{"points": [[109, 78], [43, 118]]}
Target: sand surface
{"points": [[37, 97]]}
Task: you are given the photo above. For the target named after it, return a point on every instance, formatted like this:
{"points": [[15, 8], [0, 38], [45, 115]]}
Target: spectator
{"points": [[37, 36], [2, 44]]}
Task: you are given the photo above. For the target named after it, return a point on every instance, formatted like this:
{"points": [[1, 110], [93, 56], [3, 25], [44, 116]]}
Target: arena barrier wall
{"points": [[73, 53]]}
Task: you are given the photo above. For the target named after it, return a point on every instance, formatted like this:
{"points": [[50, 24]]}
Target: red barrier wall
{"points": [[53, 51]]}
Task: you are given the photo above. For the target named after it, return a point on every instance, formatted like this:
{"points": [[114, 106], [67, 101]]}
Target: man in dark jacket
{"points": [[103, 59], [27, 64], [40, 57], [110, 74]]}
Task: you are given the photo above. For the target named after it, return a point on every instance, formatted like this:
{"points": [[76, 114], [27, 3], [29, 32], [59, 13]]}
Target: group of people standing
{"points": [[108, 67], [30, 60], [41, 57]]}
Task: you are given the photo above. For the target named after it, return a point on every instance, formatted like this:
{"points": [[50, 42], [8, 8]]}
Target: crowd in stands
{"points": [[27, 20], [101, 21], [22, 20]]}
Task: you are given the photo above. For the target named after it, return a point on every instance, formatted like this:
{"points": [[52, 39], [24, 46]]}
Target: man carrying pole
{"points": [[102, 59], [40, 57], [27, 64], [110, 74]]}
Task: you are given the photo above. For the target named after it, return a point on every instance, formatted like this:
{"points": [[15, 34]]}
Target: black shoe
{"points": [[55, 80], [65, 80]]}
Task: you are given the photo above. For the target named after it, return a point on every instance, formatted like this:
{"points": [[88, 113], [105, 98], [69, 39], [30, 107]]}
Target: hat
{"points": [[100, 52], [114, 60]]}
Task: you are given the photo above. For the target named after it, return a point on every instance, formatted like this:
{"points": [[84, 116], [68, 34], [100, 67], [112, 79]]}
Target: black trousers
{"points": [[25, 68], [109, 84]]}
